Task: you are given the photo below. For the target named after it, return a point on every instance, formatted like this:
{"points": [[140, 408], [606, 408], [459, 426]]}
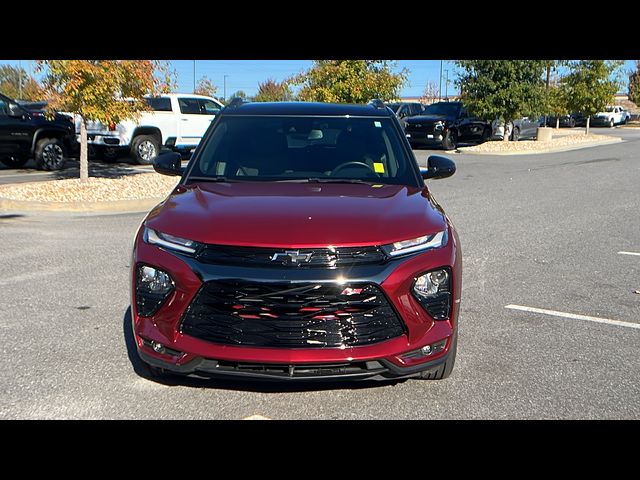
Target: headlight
{"points": [[439, 126], [433, 291], [153, 286], [425, 242], [169, 241]]}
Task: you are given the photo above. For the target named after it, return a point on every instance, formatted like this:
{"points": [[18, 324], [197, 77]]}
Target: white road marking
{"points": [[629, 253], [574, 316], [256, 417]]}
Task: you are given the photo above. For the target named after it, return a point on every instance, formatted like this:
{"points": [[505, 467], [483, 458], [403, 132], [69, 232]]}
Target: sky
{"points": [[246, 74]]}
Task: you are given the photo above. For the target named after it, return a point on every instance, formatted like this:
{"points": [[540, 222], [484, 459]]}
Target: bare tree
{"points": [[430, 94]]}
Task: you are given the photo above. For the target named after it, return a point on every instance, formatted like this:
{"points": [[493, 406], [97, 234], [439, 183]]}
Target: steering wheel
{"points": [[342, 166]]}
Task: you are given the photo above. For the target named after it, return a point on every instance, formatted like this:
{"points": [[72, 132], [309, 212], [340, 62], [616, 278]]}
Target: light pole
{"points": [[20, 79], [194, 76], [446, 85], [224, 88], [440, 83]]}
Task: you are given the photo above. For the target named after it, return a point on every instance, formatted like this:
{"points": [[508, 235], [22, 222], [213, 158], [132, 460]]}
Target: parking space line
{"points": [[574, 316], [629, 253]]}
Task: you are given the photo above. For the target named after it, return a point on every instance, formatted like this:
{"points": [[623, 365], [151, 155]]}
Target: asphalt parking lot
{"points": [[538, 232]]}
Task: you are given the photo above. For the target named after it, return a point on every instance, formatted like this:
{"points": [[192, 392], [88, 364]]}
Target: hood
{"points": [[428, 119], [295, 215]]}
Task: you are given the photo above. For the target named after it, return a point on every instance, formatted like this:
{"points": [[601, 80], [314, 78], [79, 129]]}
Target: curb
{"points": [[120, 206], [546, 150]]}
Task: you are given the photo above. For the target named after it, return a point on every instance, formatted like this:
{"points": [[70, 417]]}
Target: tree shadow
{"points": [[173, 380], [99, 170], [10, 216]]}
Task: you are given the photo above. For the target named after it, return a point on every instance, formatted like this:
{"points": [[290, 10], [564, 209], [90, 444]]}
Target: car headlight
{"points": [[169, 241], [426, 242], [439, 126], [433, 291], [153, 286]]}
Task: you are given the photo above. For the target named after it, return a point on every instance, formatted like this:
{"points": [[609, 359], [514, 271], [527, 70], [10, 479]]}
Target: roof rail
{"points": [[235, 102], [377, 103]]}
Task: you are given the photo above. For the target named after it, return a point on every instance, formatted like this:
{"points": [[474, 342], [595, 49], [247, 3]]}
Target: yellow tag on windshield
{"points": [[378, 167]]}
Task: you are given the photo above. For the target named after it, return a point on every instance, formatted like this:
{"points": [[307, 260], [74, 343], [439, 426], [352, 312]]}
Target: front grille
{"points": [[282, 315], [294, 371], [420, 127], [302, 258]]}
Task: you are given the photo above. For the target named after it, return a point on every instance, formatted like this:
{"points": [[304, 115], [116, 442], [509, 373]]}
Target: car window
{"points": [[3, 107], [159, 104], [189, 105], [209, 107], [443, 108], [272, 148]]}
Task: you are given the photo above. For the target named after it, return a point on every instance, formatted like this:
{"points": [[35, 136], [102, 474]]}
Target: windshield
{"points": [[608, 109], [323, 149], [442, 108]]}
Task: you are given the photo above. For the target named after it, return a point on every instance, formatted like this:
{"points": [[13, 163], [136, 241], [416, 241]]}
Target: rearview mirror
{"points": [[168, 163], [438, 167]]}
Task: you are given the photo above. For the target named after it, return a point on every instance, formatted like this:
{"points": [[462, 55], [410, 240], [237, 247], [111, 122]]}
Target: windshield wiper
{"points": [[213, 179], [339, 180]]}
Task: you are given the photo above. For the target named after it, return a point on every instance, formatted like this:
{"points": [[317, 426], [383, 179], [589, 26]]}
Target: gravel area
{"points": [[127, 187], [560, 140]]}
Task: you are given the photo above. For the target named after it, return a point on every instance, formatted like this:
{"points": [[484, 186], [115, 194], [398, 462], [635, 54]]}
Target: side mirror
{"points": [[438, 167], [15, 111], [168, 163]]}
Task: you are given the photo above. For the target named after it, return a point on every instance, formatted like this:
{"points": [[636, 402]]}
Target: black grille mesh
{"points": [[290, 315]]}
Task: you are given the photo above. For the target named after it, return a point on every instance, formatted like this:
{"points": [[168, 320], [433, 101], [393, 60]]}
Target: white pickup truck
{"points": [[611, 116], [176, 120]]}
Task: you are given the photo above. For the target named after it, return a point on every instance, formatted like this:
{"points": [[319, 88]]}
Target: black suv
{"points": [[446, 124], [25, 134]]}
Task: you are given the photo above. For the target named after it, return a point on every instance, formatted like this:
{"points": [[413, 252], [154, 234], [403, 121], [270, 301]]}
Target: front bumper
{"points": [[600, 122], [386, 359], [425, 138]]}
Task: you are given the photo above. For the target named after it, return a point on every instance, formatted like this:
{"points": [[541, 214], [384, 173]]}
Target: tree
{"points": [[431, 93], [17, 84], [205, 87], [502, 89], [239, 94], [107, 91], [634, 85], [590, 86], [350, 81], [557, 102], [272, 91]]}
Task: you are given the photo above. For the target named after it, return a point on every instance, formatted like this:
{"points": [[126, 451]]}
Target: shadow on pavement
{"points": [[100, 170], [248, 386]]}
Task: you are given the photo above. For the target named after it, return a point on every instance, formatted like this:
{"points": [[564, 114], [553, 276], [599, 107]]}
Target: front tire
{"points": [[50, 154], [14, 162], [611, 123], [144, 149], [450, 141], [445, 369]]}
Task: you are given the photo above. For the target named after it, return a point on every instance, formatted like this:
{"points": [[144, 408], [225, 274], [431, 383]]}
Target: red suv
{"points": [[301, 243]]}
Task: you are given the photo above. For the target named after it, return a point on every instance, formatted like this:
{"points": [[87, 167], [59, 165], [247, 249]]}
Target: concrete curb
{"points": [[120, 206], [566, 148]]}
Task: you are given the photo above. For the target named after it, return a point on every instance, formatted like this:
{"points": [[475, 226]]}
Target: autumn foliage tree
{"points": [[350, 81], [107, 91], [634, 85], [205, 87], [272, 91], [17, 84]]}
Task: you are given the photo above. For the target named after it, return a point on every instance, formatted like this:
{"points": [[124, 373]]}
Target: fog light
{"points": [[157, 347], [153, 286], [426, 351], [433, 291]]}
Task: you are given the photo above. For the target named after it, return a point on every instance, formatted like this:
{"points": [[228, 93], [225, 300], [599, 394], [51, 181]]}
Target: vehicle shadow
{"points": [[246, 386]]}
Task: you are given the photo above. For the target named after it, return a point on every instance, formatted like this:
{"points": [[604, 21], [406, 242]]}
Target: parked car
{"points": [[177, 121], [612, 115], [406, 109], [446, 124], [570, 120], [519, 129], [301, 243], [25, 135]]}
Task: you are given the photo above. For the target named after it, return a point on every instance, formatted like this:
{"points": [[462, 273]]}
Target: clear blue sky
{"points": [[246, 74]]}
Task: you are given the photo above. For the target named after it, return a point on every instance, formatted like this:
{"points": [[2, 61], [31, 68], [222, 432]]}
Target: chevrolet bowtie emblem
{"points": [[291, 256]]}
